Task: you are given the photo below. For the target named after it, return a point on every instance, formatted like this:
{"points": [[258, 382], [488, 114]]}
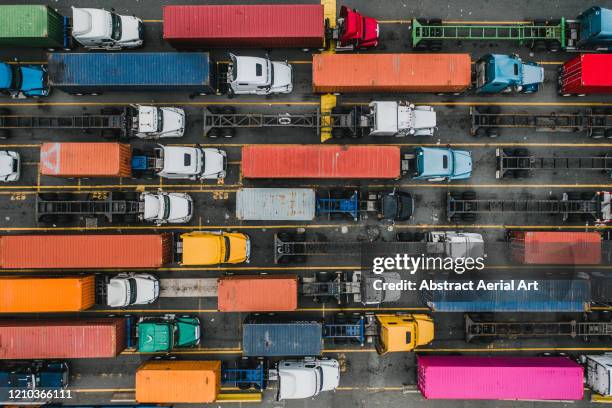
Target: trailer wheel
{"points": [[573, 196], [493, 132], [48, 196], [213, 133], [455, 219], [48, 219], [480, 132], [130, 218], [608, 133], [227, 133], [468, 217], [598, 133], [586, 196], [554, 46], [323, 276], [468, 195], [539, 46], [65, 197], [419, 236], [337, 133], [404, 236], [284, 236], [228, 110]]}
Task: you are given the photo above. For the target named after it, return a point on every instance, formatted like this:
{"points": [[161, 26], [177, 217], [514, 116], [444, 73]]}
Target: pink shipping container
{"points": [[62, 338], [587, 74], [245, 26], [499, 378]]}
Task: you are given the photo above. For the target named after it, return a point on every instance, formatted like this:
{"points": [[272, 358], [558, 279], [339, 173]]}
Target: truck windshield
{"points": [[321, 377], [116, 22], [271, 70], [166, 214], [160, 120], [17, 77], [132, 284], [227, 249]]}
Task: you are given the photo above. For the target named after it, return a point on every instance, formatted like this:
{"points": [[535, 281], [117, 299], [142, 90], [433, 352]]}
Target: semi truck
{"points": [[111, 159], [294, 247], [521, 163], [63, 338], [378, 118], [193, 72], [23, 80], [92, 28], [572, 206], [305, 26], [432, 73], [45, 294], [269, 336], [10, 166], [155, 207], [134, 121], [489, 121], [586, 74], [103, 251], [590, 31]]}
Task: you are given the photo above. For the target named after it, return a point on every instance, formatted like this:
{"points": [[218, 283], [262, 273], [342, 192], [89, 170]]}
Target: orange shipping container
{"points": [[259, 293], [86, 159], [85, 251], [176, 382], [391, 72], [22, 294]]}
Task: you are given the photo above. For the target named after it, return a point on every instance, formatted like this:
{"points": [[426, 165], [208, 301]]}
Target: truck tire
{"points": [[228, 110], [227, 133], [493, 132], [539, 46], [554, 46], [48, 196], [323, 277], [48, 219], [4, 134], [213, 133], [573, 196], [468, 195], [404, 236], [337, 133], [468, 217], [65, 196], [480, 132], [419, 236]]}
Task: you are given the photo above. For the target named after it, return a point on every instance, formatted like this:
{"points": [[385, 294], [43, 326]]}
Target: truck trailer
{"points": [[586, 74], [267, 26], [35, 375], [555, 247], [499, 378]]}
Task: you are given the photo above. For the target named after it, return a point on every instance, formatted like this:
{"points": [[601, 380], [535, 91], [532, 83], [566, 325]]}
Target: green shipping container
{"points": [[31, 26]]}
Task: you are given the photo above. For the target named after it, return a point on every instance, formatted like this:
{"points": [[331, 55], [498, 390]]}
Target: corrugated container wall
{"points": [[23, 294], [391, 72], [31, 26], [61, 338], [259, 293], [85, 251], [551, 296], [282, 339], [175, 382], [322, 162], [86, 159], [245, 26], [499, 378], [587, 74], [556, 247], [275, 204], [132, 71]]}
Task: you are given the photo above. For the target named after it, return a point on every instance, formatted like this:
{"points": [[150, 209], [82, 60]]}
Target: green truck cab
{"points": [[166, 333]]}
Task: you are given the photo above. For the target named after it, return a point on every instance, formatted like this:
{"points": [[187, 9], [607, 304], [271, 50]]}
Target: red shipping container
{"points": [[391, 72], [587, 74], [259, 293], [556, 247], [321, 162], [62, 338], [245, 26], [499, 378], [86, 159], [85, 251]]}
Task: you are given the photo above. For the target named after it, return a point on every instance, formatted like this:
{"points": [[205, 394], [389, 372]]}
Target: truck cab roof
{"points": [[436, 162], [149, 119], [595, 26], [371, 296], [6, 76], [299, 379], [155, 336], [181, 161], [91, 23], [397, 205], [251, 70]]}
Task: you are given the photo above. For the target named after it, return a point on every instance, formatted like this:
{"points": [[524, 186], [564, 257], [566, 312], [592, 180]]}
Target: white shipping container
{"points": [[275, 204]]}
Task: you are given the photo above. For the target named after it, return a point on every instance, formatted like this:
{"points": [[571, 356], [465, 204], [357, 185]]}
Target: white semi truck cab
{"points": [[162, 208], [152, 122], [190, 163], [10, 166], [400, 119], [127, 289], [100, 29], [455, 244], [305, 378], [258, 76]]}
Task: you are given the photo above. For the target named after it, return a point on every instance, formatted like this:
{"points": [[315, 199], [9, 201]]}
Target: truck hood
{"points": [[214, 162], [532, 74], [89, 23], [6, 76], [463, 164], [423, 119], [174, 122], [33, 80], [130, 30], [283, 77]]}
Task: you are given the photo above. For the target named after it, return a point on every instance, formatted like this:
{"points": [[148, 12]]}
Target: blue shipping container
{"points": [[87, 73], [282, 339], [552, 296]]}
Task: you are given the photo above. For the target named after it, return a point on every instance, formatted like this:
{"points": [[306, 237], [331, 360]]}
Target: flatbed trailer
{"points": [[110, 122], [596, 206], [519, 163], [489, 121], [295, 248], [481, 330]]}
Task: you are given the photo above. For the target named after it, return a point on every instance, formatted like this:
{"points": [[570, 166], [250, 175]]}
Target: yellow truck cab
{"points": [[213, 248], [398, 332]]}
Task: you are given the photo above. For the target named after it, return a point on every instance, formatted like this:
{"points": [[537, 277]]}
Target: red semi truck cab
{"points": [[356, 31]]}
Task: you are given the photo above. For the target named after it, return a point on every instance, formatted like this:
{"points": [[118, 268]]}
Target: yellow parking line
{"points": [[152, 21], [305, 309]]}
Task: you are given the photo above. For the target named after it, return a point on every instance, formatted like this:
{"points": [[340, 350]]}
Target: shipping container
{"points": [[82, 251], [62, 338], [86, 73], [45, 294], [587, 74], [245, 26], [275, 204], [555, 247], [391, 73], [258, 293], [499, 378], [278, 339], [551, 296], [165, 382], [86, 159], [321, 162], [32, 26]]}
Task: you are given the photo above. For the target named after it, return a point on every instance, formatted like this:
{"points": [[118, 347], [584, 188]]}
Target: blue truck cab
{"points": [[497, 73], [594, 30], [23, 81], [442, 163]]}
